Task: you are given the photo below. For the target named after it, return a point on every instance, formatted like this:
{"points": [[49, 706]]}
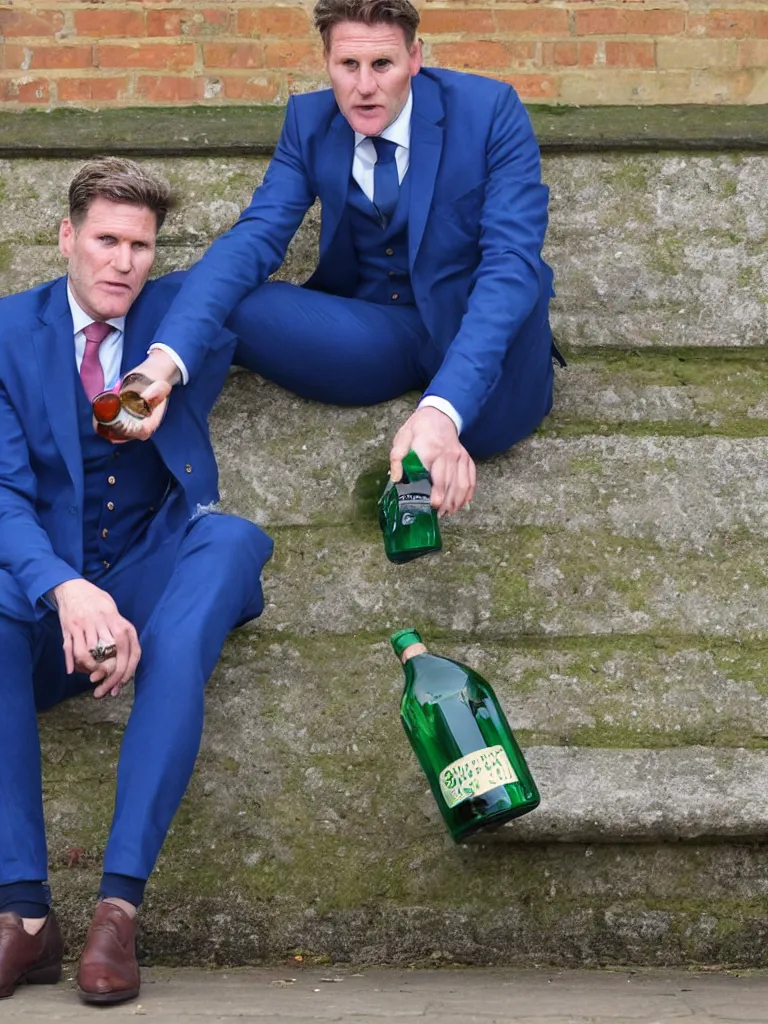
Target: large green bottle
{"points": [[408, 522], [475, 768]]}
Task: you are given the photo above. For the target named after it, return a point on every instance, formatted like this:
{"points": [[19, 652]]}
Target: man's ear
{"points": [[66, 237], [416, 57]]}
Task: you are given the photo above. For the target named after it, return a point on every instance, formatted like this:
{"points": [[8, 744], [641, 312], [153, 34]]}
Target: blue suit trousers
{"points": [[353, 352], [183, 597]]}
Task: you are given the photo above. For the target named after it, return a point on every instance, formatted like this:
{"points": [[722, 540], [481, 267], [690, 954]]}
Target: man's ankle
{"points": [[124, 905], [32, 925]]}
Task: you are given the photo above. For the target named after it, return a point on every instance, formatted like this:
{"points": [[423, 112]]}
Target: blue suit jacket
{"points": [[41, 466], [477, 219]]}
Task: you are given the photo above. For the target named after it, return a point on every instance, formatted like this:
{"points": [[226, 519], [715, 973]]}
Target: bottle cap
{"points": [[404, 638]]}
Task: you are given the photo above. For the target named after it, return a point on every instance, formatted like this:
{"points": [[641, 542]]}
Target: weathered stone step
{"points": [[657, 249], [597, 691], [529, 580]]}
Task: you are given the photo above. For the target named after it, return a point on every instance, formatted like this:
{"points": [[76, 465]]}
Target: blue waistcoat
{"points": [[382, 253], [124, 486]]}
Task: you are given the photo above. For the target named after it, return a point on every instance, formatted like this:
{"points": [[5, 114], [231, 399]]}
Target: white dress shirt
{"points": [[111, 349], [363, 163]]}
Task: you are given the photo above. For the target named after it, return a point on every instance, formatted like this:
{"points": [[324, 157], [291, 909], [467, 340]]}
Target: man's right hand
{"points": [[88, 615]]}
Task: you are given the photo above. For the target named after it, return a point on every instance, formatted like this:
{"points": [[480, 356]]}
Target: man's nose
{"points": [[366, 84], [123, 259]]}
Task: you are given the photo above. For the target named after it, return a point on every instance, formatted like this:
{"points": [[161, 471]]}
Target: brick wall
{"points": [[137, 52]]}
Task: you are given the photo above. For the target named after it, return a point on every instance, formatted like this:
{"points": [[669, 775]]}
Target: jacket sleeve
{"points": [[25, 548], [242, 258], [507, 278]]}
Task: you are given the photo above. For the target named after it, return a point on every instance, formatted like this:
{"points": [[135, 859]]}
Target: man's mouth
{"points": [[116, 286]]}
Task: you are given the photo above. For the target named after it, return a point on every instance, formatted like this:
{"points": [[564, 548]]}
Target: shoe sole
{"points": [[49, 974], [105, 998]]}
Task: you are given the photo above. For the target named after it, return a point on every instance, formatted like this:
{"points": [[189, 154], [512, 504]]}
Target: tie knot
{"points": [[385, 149], [96, 332]]}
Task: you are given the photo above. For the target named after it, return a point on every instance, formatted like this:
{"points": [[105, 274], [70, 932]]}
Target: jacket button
{"points": [[110, 480], [395, 295], [188, 467], [105, 563], [105, 533], [390, 252], [111, 506]]}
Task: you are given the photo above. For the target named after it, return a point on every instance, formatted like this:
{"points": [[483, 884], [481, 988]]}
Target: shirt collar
{"points": [[80, 318], [400, 129]]}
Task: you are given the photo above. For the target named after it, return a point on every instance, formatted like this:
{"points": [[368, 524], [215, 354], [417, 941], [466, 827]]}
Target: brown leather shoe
{"points": [[25, 957], [108, 971]]}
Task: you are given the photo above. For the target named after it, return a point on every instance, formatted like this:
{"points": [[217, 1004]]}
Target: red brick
{"points": [[160, 56], [169, 88], [293, 54], [91, 89], [109, 24], [630, 55], [14, 90], [568, 54], [233, 55], [437, 20], [179, 22], [534, 87], [471, 56], [25, 23], [53, 57], [257, 90], [609, 21], [761, 24], [273, 21], [537, 22], [735, 24]]}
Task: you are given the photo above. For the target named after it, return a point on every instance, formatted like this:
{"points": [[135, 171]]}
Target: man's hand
{"points": [[89, 616], [432, 435], [161, 373]]}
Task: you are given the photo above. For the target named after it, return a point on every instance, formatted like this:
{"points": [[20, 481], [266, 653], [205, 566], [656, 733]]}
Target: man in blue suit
{"points": [[430, 274], [114, 563]]}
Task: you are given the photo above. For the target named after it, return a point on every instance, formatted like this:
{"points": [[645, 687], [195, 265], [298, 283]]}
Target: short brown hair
{"points": [[371, 12], [119, 181]]}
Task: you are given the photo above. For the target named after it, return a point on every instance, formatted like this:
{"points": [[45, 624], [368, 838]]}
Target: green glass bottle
{"points": [[475, 768], [408, 522]]}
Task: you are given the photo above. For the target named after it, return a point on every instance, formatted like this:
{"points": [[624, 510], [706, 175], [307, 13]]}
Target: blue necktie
{"points": [[386, 185]]}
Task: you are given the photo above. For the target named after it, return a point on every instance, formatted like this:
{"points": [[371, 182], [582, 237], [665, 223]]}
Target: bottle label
{"points": [[477, 773], [413, 500]]}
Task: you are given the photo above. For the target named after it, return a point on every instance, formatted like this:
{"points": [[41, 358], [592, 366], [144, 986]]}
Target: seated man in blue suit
{"points": [[105, 546], [430, 274]]}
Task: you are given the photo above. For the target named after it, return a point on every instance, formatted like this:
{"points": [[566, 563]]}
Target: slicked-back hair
{"points": [[119, 181], [370, 12]]}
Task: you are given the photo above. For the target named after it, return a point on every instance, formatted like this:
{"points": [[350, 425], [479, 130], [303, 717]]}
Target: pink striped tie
{"points": [[91, 373]]}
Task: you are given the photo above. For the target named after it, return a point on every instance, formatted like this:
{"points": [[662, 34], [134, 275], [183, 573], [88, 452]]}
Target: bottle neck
{"points": [[411, 651]]}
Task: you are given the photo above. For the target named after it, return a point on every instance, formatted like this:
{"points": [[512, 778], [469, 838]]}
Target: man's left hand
{"points": [[432, 435]]}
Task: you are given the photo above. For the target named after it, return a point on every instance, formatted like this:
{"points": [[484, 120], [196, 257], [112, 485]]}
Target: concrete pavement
{"points": [[296, 994]]}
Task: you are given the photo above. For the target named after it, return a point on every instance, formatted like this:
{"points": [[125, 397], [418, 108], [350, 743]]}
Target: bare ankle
{"points": [[32, 925], [124, 905]]}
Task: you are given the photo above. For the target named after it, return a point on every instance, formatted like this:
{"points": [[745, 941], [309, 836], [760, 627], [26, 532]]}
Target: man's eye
{"points": [[382, 64], [350, 63], [108, 239]]}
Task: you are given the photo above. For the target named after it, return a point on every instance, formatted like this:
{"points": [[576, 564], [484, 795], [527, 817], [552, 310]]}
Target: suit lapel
{"points": [[54, 346], [426, 150], [334, 169]]}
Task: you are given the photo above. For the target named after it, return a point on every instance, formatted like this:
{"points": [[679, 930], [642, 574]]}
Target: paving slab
{"points": [[296, 994]]}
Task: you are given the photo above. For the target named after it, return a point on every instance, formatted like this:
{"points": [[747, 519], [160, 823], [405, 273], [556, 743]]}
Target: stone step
{"points": [[546, 582], [628, 449], [653, 249]]}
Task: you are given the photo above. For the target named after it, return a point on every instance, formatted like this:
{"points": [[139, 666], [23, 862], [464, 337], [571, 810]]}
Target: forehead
{"points": [[350, 37], [120, 219]]}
